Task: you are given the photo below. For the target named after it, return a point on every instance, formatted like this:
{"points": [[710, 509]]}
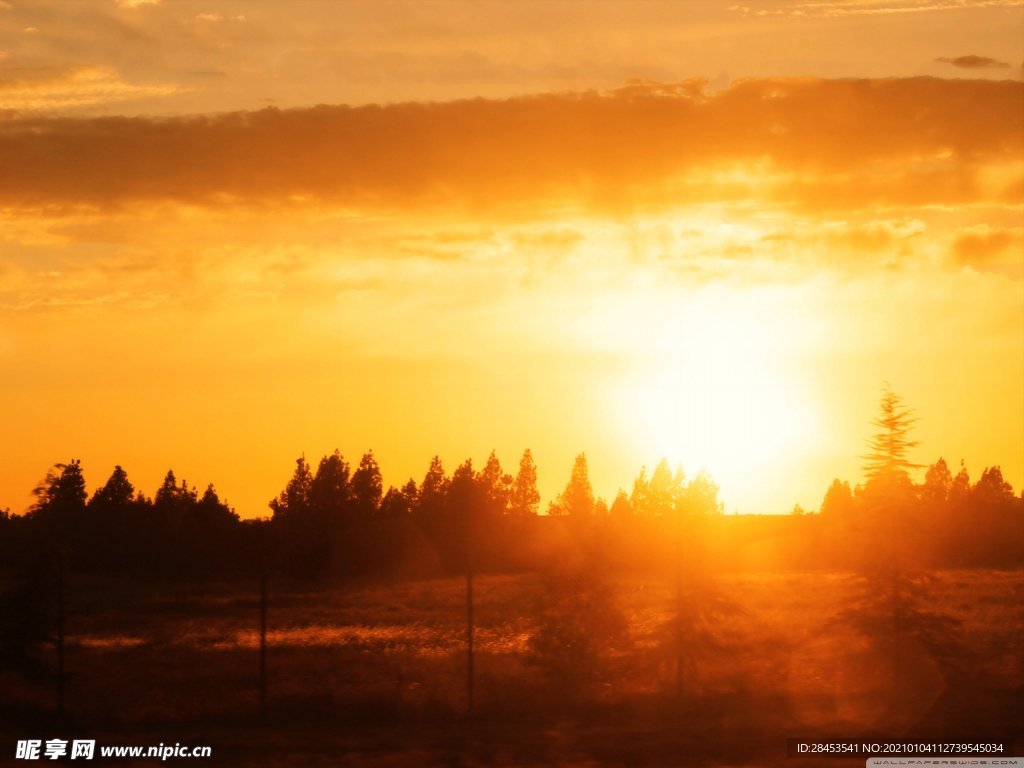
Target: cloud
{"points": [[212, 18], [47, 90], [136, 3], [974, 62], [805, 142], [987, 248], [844, 8]]}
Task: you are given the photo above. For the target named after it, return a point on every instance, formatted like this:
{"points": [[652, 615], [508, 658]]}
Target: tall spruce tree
{"points": [[886, 461]]}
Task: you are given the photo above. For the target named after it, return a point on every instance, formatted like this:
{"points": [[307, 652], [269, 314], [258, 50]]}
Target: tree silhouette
{"points": [[700, 496], [640, 499], [496, 487], [398, 503], [208, 530], [366, 487], [524, 497], [174, 499], [294, 499], [577, 500], [991, 490], [329, 491], [700, 603], [60, 498], [838, 501], [888, 498], [195, 533], [887, 501], [665, 490], [116, 493], [938, 481], [886, 461], [337, 517], [307, 513], [467, 519], [211, 511], [121, 533], [431, 497], [894, 610], [621, 510], [960, 487]]}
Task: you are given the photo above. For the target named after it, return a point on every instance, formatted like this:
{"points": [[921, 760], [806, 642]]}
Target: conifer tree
{"points": [[886, 461], [367, 487], [294, 499], [578, 497], [524, 496], [329, 491]]}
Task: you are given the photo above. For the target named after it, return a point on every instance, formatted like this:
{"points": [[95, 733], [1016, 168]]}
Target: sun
{"points": [[714, 393]]}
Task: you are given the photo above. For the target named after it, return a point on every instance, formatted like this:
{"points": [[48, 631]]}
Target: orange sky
{"points": [[232, 233]]}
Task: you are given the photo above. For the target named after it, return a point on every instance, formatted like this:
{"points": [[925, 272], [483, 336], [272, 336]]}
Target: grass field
{"points": [[375, 674]]}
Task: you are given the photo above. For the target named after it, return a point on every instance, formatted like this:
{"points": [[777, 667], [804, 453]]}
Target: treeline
{"points": [[340, 522], [119, 530], [945, 520]]}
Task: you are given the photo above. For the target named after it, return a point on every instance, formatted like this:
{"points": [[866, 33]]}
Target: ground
{"points": [[374, 673]]}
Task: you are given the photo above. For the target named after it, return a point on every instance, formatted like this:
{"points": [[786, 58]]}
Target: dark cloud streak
{"points": [[972, 61], [861, 141]]}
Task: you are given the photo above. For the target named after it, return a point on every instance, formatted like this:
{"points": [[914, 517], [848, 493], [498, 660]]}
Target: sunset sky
{"points": [[235, 232]]}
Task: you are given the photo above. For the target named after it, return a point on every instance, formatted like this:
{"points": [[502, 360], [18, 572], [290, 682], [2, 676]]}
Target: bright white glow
{"points": [[711, 391]]}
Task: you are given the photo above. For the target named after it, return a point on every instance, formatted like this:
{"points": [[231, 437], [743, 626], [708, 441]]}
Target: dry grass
{"points": [[352, 668]]}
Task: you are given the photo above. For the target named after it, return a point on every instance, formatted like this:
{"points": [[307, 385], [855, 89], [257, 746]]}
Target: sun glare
{"points": [[712, 394]]}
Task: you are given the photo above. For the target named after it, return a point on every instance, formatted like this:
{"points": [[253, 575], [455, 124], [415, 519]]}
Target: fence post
{"points": [[679, 605], [60, 634], [469, 641], [263, 639]]}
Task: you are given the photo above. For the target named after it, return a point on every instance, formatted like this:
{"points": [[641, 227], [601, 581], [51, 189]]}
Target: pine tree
{"points": [[60, 498], [116, 493], [174, 499], [367, 487], [895, 611], [432, 491], [838, 501], [886, 462], [991, 490], [960, 487], [524, 496], [118, 523], [212, 511], [578, 497], [398, 502], [496, 487], [640, 498], [621, 509], [294, 499], [329, 491], [665, 491], [937, 483], [700, 496]]}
